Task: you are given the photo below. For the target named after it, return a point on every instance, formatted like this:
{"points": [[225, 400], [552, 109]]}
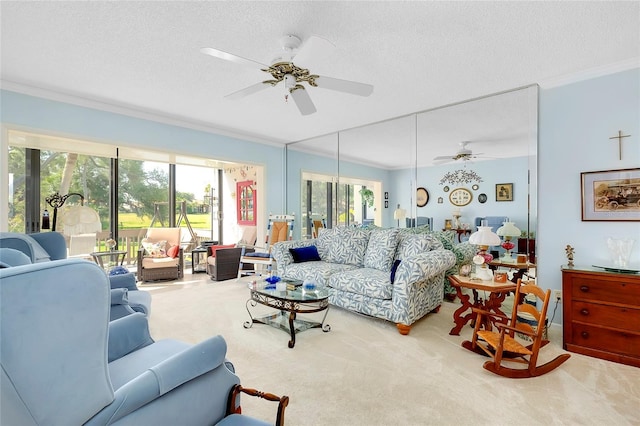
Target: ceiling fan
{"points": [[293, 77], [463, 154]]}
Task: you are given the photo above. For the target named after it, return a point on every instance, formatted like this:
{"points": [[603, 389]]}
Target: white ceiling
{"points": [[145, 56]]}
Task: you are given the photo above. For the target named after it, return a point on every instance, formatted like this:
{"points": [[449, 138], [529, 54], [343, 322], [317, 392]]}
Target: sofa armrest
{"points": [[162, 378], [464, 253], [119, 296], [127, 281], [128, 334], [423, 266]]}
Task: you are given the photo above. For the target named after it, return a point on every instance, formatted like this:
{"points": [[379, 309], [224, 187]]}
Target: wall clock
{"points": [[445, 189], [422, 197], [475, 187], [482, 198], [460, 197]]}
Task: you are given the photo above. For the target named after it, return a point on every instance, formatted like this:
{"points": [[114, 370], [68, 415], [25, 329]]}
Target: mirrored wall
{"points": [[445, 167]]}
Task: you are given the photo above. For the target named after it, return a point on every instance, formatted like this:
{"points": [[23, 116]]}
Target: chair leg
{"points": [[523, 373], [474, 347]]}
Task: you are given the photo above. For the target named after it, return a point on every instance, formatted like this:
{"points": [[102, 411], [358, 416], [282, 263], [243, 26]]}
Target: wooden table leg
{"points": [[458, 319]]}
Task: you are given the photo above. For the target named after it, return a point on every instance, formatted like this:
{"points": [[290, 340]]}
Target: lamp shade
{"points": [[484, 237], [399, 214], [508, 229]]}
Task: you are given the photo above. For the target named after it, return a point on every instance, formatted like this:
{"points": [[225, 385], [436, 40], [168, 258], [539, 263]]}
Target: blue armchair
{"points": [[126, 298], [64, 363]]}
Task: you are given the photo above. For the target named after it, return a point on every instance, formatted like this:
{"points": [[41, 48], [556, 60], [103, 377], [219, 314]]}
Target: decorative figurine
{"points": [[569, 250]]}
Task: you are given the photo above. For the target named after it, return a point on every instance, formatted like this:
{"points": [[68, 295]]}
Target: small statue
{"points": [[569, 250]]}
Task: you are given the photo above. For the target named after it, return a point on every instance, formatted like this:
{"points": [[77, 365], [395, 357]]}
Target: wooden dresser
{"points": [[601, 314]]}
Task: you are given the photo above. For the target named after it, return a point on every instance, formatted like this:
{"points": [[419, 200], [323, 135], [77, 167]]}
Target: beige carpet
{"points": [[363, 372]]}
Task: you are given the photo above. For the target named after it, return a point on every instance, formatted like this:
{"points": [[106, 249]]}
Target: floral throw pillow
{"points": [[381, 249], [349, 246], [157, 249], [413, 244]]}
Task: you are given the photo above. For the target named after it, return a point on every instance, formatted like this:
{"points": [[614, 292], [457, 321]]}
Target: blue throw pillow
{"points": [[304, 254], [258, 254], [394, 268], [118, 270]]}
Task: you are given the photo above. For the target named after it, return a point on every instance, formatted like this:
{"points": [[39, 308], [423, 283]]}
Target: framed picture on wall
{"points": [[611, 195], [504, 192]]}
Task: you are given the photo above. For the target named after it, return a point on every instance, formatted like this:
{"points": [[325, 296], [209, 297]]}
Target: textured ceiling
{"points": [[418, 55]]}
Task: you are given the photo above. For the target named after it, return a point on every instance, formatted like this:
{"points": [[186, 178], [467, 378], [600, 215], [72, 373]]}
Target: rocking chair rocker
{"points": [[502, 346]]}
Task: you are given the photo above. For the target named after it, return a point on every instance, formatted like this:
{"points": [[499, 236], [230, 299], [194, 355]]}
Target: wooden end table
{"points": [[520, 268], [497, 293], [199, 259]]}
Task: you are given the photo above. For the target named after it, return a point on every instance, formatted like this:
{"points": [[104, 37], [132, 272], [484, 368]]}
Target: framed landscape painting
{"points": [[610, 195]]}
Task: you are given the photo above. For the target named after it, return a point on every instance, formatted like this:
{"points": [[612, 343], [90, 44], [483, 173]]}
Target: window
{"points": [[246, 203]]}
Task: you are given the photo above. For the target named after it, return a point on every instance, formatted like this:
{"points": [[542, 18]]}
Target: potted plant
{"points": [[367, 196]]}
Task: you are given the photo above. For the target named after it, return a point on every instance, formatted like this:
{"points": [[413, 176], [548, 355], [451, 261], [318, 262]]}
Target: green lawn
{"points": [[133, 221]]}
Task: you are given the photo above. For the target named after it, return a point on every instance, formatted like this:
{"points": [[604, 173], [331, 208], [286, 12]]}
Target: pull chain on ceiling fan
{"points": [[293, 76]]}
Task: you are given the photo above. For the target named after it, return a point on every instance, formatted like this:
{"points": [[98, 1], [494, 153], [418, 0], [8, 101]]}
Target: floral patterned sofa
{"points": [[385, 273], [464, 252]]}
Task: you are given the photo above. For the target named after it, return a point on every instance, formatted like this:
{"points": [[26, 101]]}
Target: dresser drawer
{"points": [[621, 317], [613, 341], [584, 287]]}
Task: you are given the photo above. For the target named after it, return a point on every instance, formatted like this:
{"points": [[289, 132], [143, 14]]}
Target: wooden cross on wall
{"points": [[619, 137]]}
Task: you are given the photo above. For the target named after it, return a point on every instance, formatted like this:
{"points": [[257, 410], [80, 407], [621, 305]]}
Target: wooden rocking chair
{"points": [[526, 323]]}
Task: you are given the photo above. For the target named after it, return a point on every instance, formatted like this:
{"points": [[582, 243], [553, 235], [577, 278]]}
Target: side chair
{"points": [[517, 339], [62, 362], [161, 256], [280, 228]]}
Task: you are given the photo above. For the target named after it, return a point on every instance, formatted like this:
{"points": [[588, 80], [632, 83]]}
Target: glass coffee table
{"points": [[289, 303]]}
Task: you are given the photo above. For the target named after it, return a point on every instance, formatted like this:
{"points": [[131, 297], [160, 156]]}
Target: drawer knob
{"points": [[585, 334], [584, 288], [584, 311]]}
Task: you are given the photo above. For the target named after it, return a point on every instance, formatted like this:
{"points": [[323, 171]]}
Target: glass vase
{"points": [[620, 250]]}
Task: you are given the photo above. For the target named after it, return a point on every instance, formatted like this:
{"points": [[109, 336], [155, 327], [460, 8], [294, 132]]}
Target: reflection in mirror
{"points": [[382, 157], [477, 156], [493, 139], [312, 176]]}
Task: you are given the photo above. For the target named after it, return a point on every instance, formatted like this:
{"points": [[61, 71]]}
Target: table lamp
{"points": [[484, 238], [508, 230], [399, 214]]}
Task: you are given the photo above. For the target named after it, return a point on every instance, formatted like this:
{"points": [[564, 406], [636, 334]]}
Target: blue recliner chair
{"points": [[64, 363], [126, 298]]}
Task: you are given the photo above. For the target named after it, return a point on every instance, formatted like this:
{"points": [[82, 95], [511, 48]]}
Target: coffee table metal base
{"points": [[285, 318]]}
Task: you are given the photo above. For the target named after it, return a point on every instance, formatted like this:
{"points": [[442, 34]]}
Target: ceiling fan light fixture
{"points": [[289, 81], [283, 68], [290, 43]]}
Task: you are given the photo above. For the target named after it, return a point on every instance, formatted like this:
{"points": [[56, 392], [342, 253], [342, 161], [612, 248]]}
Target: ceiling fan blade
{"points": [[313, 48], [360, 89], [303, 101], [443, 157], [442, 161], [217, 53], [247, 91]]}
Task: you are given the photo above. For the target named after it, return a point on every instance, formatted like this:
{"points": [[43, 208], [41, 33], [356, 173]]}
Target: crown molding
{"points": [[129, 111], [590, 73]]}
